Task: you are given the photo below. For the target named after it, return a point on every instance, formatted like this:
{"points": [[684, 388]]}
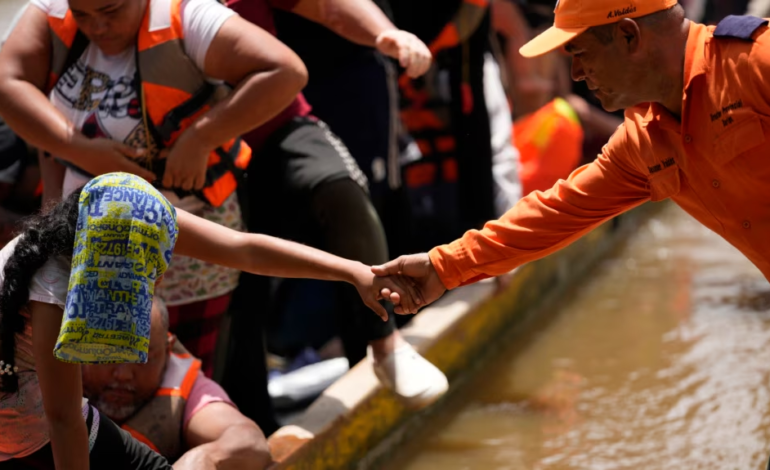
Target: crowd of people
{"points": [[365, 130]]}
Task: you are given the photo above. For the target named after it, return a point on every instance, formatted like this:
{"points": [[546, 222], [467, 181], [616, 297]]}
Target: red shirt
{"points": [[260, 12]]}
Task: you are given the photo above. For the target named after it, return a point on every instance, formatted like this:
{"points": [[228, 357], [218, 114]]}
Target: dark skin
{"points": [[641, 63], [111, 25]]}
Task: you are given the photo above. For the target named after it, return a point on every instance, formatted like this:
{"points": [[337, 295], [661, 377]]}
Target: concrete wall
{"points": [[356, 423]]}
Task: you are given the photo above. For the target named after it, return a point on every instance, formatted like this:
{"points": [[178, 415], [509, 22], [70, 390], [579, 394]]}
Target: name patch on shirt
{"points": [[664, 164], [723, 113]]}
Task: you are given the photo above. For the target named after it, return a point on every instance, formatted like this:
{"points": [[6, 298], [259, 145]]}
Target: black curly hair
{"points": [[44, 236]]}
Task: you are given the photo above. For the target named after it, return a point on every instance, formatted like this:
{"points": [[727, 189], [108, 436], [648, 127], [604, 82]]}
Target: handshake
{"points": [[409, 282]]}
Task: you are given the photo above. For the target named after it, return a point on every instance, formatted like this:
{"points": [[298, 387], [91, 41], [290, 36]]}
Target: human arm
{"points": [[61, 388], [267, 76], [270, 256], [221, 438], [362, 22], [24, 72], [538, 225]]}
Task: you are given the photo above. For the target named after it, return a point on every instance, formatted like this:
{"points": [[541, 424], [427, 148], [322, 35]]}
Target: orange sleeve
{"points": [[544, 222]]}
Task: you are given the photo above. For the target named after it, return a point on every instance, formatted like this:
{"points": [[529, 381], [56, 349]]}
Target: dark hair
{"points": [[44, 236]]}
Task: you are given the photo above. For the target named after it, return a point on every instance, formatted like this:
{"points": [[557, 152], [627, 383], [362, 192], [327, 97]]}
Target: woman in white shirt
{"points": [[93, 117]]}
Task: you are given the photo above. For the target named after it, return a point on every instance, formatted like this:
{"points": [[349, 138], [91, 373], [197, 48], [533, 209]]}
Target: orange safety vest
{"points": [[174, 93], [159, 422], [550, 143]]}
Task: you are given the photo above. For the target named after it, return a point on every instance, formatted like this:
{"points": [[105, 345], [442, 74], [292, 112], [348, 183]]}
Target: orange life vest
{"points": [[159, 423], [174, 93], [550, 143]]}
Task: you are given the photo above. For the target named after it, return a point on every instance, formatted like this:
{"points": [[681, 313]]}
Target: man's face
{"points": [[120, 390], [112, 25], [607, 69]]}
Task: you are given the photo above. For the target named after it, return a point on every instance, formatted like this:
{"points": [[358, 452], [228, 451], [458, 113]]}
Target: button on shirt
{"points": [[722, 142]]}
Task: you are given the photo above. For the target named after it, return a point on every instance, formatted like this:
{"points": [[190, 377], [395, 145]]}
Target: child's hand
{"points": [[398, 290]]}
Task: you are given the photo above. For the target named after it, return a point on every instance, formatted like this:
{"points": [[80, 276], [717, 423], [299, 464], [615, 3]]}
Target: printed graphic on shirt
{"points": [[86, 89], [111, 105]]}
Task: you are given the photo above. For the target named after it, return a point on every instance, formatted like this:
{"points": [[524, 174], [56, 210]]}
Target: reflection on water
{"points": [[658, 361]]}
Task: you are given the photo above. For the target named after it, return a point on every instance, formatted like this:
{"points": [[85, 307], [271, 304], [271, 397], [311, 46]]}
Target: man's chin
{"points": [[117, 413], [608, 104]]}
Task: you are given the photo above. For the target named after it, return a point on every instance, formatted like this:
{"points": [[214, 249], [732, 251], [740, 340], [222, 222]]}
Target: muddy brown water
{"points": [[657, 360]]}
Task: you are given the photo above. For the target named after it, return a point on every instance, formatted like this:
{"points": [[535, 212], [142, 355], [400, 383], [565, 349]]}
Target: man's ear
{"points": [[630, 34]]}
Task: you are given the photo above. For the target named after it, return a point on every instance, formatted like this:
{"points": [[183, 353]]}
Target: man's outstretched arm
{"points": [[538, 225], [362, 22]]}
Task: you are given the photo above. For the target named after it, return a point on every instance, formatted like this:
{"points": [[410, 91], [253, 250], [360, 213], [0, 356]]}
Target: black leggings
{"points": [[113, 449]]}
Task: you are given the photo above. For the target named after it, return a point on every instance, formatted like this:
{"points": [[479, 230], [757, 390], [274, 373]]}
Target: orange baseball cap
{"points": [[574, 17]]}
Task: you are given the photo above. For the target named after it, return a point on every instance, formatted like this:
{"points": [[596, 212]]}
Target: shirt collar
{"points": [[695, 63]]}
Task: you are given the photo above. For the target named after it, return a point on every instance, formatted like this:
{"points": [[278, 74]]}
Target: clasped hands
{"points": [[409, 282]]}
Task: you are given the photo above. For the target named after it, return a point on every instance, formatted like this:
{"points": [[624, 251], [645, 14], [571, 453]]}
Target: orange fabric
{"points": [[152, 38], [420, 119], [420, 175], [447, 38], [140, 437], [65, 29], [218, 192], [187, 383], [714, 164], [446, 144], [550, 148], [573, 17], [162, 99]]}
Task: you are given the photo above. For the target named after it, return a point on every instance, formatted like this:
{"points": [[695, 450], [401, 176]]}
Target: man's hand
{"points": [[399, 290], [421, 271], [410, 52], [186, 163], [99, 156]]}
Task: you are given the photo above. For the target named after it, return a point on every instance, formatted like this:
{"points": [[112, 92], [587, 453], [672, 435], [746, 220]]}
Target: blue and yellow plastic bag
{"points": [[125, 236]]}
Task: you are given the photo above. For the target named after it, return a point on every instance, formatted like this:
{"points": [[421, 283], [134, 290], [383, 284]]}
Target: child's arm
{"points": [[62, 389], [269, 256]]}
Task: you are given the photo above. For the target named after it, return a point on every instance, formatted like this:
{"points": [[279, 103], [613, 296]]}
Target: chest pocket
{"points": [[744, 135], [665, 184]]}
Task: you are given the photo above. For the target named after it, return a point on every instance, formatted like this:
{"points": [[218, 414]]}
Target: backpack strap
{"points": [[739, 27]]}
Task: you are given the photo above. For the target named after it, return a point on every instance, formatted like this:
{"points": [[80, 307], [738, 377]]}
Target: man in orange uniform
{"points": [[696, 130]]}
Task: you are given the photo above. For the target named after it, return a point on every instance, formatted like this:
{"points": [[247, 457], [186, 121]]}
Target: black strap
{"points": [[739, 27], [173, 120]]}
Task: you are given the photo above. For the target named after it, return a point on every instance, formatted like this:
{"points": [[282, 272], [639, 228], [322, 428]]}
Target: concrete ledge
{"points": [[356, 415]]}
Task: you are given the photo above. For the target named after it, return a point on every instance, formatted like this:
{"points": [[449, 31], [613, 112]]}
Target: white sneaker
{"points": [[415, 381]]}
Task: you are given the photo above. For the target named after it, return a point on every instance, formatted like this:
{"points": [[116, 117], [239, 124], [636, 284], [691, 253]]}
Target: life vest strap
{"points": [[173, 120]]}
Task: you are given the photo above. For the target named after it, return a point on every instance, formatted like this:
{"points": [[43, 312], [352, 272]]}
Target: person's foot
{"points": [[414, 380]]}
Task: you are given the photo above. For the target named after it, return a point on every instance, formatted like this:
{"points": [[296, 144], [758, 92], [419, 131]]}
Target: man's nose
{"points": [[123, 373], [101, 25], [578, 74]]}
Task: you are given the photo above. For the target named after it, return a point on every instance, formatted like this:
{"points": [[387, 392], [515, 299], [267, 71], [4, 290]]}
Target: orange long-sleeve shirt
{"points": [[715, 164]]}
